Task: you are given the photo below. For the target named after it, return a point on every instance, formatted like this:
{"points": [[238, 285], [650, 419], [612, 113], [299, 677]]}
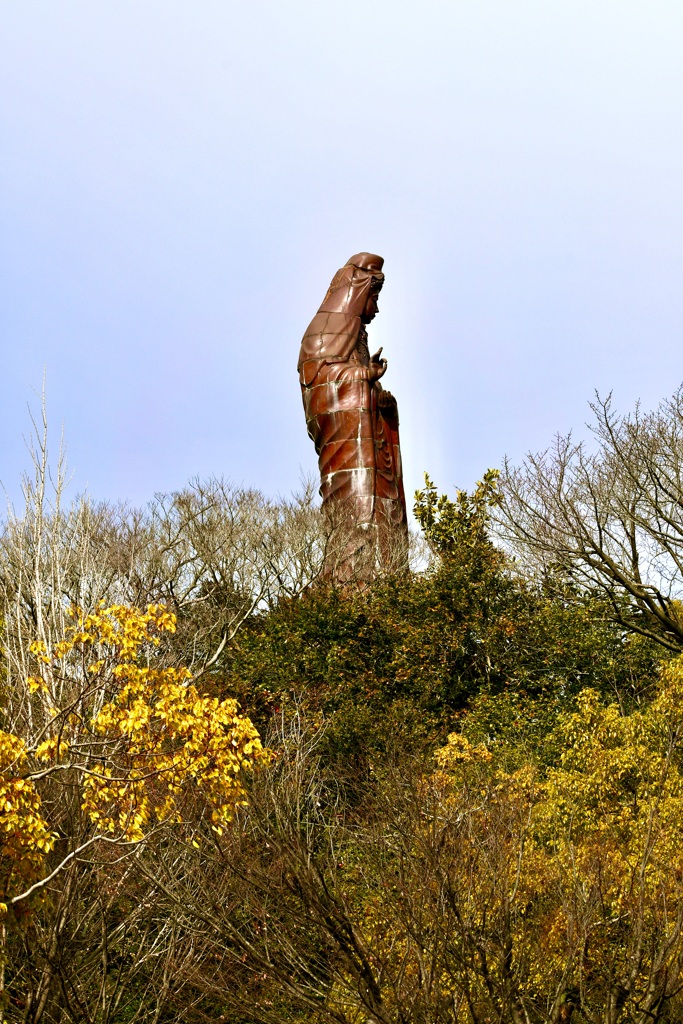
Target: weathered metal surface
{"points": [[353, 423]]}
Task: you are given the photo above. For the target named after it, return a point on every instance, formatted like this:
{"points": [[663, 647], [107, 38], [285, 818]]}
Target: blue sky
{"points": [[180, 180]]}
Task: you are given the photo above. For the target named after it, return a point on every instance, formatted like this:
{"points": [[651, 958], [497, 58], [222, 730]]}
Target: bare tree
{"points": [[101, 953], [610, 515], [273, 931], [215, 554]]}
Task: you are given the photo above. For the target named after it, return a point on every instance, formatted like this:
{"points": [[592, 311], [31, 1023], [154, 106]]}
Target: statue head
{"points": [[351, 286], [350, 301]]}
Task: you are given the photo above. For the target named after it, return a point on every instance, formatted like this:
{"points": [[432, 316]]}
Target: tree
{"points": [[110, 750], [610, 518], [451, 526], [212, 553], [610, 825]]}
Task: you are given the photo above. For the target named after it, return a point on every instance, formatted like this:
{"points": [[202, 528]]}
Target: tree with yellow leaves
{"points": [[116, 748], [25, 837], [611, 824]]}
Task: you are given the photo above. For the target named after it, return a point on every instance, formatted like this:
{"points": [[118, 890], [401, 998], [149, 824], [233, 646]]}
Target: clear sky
{"points": [[180, 179]]}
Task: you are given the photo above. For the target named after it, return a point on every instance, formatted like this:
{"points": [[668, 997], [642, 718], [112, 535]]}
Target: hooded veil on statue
{"points": [[353, 422]]}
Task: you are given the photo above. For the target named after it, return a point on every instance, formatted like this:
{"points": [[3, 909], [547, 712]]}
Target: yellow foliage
{"points": [[589, 853], [566, 881], [169, 741], [25, 836], [612, 812], [142, 743], [459, 750]]}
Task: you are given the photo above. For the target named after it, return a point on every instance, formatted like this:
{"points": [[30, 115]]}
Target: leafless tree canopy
{"points": [[214, 553], [610, 514]]}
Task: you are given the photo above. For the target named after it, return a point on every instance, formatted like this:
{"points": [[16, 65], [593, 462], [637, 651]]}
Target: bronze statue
{"points": [[353, 423]]}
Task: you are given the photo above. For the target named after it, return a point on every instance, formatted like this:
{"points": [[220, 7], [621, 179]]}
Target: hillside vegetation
{"points": [[230, 790]]}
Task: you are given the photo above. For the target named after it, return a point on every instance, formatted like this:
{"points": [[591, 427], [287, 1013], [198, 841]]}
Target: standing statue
{"points": [[353, 423]]}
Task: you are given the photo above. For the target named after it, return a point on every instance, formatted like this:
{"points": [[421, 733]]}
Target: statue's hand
{"points": [[378, 366]]}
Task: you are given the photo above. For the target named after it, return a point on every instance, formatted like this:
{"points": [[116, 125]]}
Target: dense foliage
{"points": [[456, 797], [408, 656]]}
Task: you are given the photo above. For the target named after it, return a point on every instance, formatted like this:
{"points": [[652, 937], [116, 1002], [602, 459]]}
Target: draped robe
{"points": [[351, 419]]}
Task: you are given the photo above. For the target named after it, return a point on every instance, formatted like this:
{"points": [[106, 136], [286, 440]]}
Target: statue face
{"points": [[371, 308]]}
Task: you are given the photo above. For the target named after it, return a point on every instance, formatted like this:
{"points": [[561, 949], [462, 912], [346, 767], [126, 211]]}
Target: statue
{"points": [[353, 423]]}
